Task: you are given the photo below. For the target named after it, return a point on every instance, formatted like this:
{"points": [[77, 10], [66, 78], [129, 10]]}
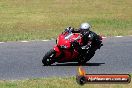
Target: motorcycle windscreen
{"points": [[72, 36]]}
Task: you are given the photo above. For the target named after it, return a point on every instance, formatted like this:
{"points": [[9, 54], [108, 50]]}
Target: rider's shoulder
{"points": [[93, 33]]}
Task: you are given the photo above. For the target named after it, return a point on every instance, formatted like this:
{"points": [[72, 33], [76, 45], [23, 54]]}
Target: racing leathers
{"points": [[91, 41]]}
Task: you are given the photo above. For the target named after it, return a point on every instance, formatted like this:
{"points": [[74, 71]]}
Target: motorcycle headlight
{"points": [[63, 47]]}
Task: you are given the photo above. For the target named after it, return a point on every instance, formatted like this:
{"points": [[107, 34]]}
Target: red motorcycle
{"points": [[67, 50]]}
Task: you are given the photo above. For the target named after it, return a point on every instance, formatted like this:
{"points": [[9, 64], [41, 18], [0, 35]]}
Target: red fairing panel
{"points": [[58, 52]]}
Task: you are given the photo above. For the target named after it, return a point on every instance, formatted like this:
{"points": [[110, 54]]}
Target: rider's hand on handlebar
{"points": [[69, 29]]}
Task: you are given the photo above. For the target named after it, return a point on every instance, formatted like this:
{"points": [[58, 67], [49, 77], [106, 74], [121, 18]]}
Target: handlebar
{"points": [[77, 38]]}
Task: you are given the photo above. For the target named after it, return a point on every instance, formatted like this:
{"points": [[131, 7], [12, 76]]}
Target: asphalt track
{"points": [[23, 60]]}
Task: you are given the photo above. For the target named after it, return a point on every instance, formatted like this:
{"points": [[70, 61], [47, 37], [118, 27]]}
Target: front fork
{"points": [[57, 50]]}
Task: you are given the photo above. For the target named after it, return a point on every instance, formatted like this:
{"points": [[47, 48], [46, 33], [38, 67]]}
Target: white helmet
{"points": [[85, 26]]}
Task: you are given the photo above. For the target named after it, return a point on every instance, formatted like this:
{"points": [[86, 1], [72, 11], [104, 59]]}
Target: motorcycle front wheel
{"points": [[48, 58]]}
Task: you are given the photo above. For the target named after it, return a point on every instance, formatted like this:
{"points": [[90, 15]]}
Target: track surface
{"points": [[23, 60]]}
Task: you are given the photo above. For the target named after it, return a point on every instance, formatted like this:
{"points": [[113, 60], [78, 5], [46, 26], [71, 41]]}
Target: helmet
{"points": [[85, 26]]}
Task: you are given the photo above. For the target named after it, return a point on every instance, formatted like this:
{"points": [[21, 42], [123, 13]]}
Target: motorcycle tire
{"points": [[90, 55], [48, 58], [83, 60]]}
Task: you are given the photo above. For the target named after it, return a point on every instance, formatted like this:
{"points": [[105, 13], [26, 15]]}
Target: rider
{"points": [[88, 36]]}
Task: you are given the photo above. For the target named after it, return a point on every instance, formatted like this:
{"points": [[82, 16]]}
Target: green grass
{"points": [[45, 19], [68, 82]]}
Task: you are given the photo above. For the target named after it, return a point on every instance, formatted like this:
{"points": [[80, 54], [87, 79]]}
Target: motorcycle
{"points": [[67, 50]]}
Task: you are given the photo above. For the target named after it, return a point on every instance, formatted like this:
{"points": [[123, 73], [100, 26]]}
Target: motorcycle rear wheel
{"points": [[48, 58], [83, 60]]}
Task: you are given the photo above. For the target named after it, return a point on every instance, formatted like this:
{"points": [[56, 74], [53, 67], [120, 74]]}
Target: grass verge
{"points": [[68, 82], [45, 19]]}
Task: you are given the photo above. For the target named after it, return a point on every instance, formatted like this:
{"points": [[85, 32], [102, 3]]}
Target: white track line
{"points": [[119, 36], [24, 41], [49, 40], [44, 40], [1, 42], [104, 37]]}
